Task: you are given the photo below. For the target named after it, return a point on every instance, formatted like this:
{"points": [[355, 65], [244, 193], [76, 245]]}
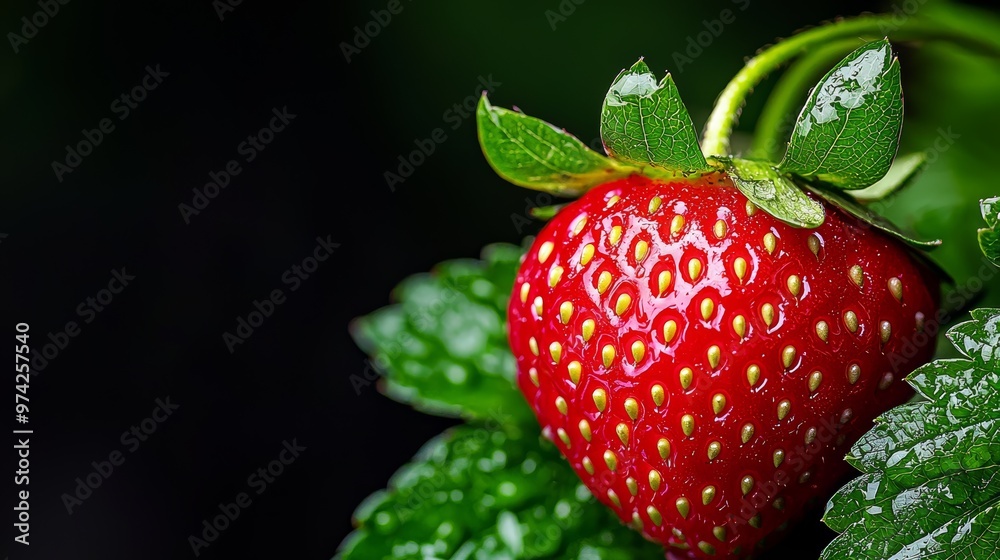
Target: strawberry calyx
{"points": [[845, 139]]}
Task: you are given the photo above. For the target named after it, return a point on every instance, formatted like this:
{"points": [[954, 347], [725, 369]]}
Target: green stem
{"points": [[774, 124], [727, 108]]}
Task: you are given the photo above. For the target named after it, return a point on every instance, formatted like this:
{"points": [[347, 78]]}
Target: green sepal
{"points": [[848, 130], [534, 154], [443, 348], [646, 123], [903, 171], [853, 208], [775, 193], [989, 237]]}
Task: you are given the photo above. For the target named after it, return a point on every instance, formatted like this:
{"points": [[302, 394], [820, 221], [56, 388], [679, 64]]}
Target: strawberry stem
{"points": [[727, 108]]}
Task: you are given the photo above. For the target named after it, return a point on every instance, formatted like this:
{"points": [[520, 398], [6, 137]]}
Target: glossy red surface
{"points": [[832, 414]]}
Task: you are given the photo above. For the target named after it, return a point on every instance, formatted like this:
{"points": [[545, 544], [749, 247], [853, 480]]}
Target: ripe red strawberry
{"points": [[705, 367]]}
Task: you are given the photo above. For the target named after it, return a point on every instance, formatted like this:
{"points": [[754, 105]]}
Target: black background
{"points": [[322, 176]]}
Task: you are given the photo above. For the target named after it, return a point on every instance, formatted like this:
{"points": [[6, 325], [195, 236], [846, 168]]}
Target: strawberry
{"points": [[704, 366]]}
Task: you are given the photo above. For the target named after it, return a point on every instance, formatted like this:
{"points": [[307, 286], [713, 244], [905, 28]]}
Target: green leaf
{"points": [[989, 237], [774, 192], [852, 207], [902, 172], [534, 154], [443, 349], [481, 492], [848, 131], [931, 487], [646, 123]]}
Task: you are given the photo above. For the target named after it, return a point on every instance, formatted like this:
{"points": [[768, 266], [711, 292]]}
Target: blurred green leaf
{"points": [[989, 237], [932, 482], [646, 123], [848, 131], [546, 212], [532, 153], [443, 349], [481, 492], [774, 192], [491, 488]]}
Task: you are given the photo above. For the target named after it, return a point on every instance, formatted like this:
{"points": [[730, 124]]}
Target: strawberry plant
{"points": [[701, 336]]}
